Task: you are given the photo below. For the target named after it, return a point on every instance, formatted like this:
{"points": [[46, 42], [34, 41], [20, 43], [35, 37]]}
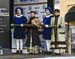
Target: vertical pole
{"points": [[50, 3], [11, 15], [68, 41]]}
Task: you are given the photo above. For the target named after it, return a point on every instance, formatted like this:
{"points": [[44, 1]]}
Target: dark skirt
{"points": [[47, 33], [34, 34], [19, 33]]}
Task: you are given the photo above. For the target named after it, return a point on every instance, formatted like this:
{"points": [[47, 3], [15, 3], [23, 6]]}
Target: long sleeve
{"points": [[62, 23], [25, 20]]}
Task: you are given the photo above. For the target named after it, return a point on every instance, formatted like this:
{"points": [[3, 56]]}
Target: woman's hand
{"points": [[33, 22]]}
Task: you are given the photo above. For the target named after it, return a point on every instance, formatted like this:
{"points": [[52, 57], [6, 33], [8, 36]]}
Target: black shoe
{"points": [[31, 53], [48, 53], [17, 52], [57, 54], [20, 51]]}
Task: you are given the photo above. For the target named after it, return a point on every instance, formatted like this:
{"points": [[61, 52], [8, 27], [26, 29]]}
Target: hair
{"points": [[57, 10], [20, 9], [33, 12]]}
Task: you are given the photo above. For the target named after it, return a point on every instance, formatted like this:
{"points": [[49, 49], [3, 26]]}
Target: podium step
{"points": [[5, 51]]}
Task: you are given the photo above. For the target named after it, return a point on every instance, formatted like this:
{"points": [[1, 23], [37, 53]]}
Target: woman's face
{"points": [[47, 12], [57, 13], [32, 14], [18, 12]]}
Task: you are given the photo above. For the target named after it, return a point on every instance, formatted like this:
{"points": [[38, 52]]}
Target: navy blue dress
{"points": [[47, 31], [19, 32]]}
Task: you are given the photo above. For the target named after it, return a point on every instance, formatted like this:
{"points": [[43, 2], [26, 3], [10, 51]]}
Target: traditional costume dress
{"points": [[58, 39], [19, 32], [33, 34], [47, 30]]}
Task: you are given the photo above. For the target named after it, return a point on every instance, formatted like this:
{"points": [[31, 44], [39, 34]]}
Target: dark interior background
{"points": [[5, 37]]}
